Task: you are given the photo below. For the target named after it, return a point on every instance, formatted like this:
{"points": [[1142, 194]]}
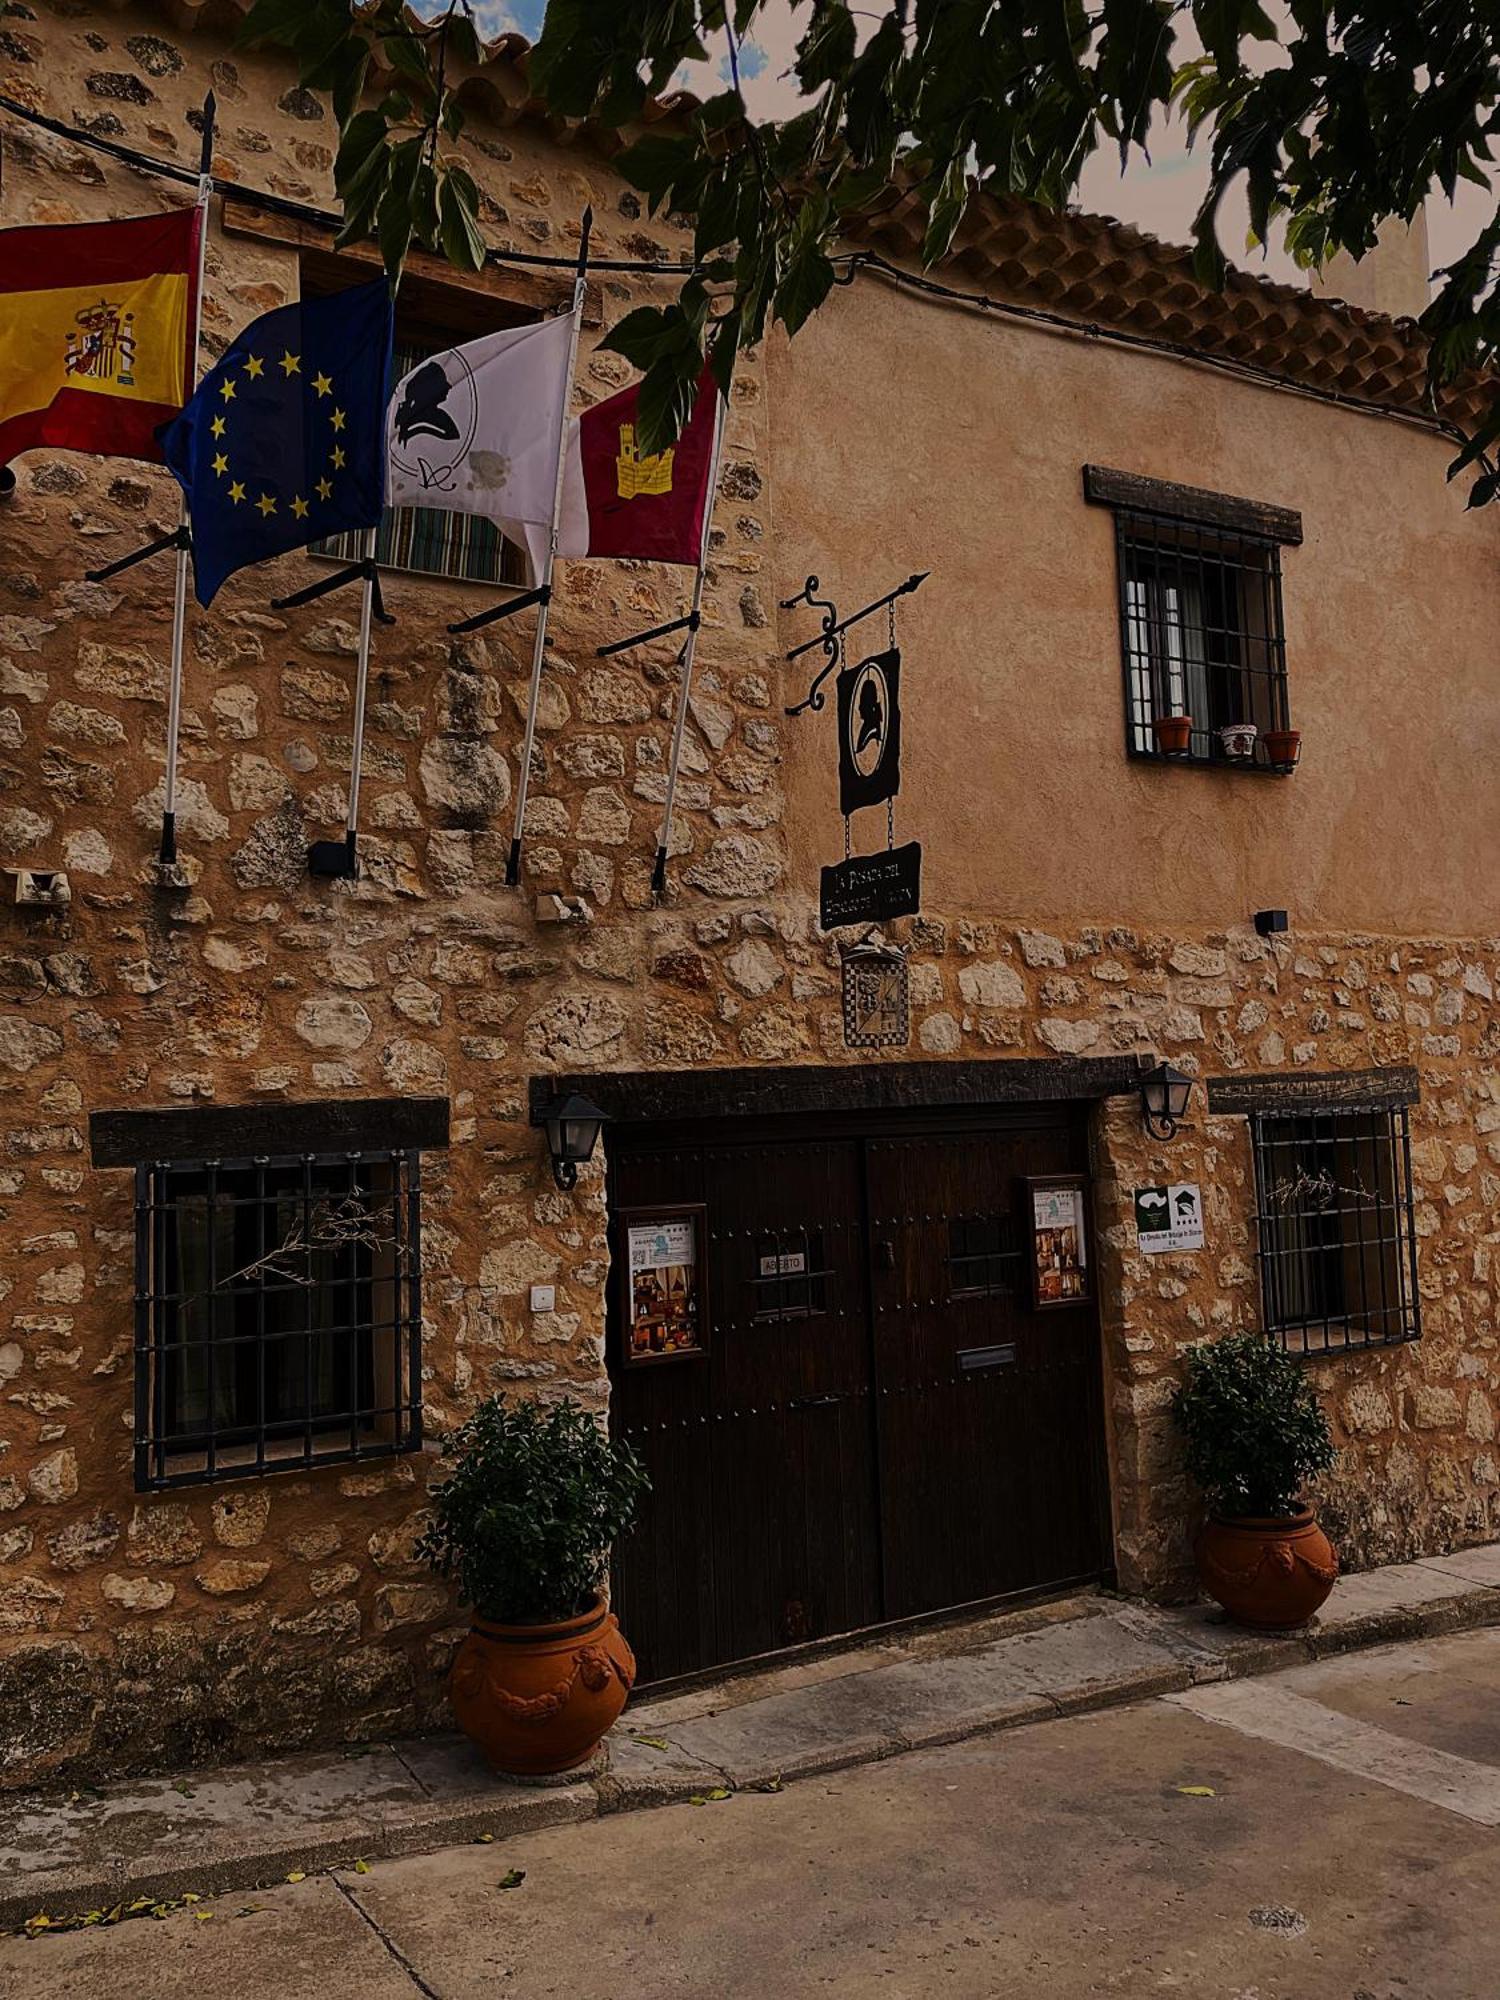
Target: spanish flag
{"points": [[95, 323]]}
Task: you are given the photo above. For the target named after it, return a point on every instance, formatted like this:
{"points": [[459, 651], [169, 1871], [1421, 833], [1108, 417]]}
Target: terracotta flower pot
{"points": [[538, 1698], [1283, 747], [1272, 1573], [1174, 734]]}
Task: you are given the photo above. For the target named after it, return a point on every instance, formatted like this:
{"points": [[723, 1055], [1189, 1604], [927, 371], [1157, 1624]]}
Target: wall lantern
{"points": [[1164, 1099], [572, 1133]]}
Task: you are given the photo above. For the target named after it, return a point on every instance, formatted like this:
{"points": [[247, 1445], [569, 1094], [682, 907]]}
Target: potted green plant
{"points": [[1255, 1434], [524, 1521]]}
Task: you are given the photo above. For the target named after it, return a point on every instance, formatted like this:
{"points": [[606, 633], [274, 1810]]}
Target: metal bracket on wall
{"points": [[833, 627]]}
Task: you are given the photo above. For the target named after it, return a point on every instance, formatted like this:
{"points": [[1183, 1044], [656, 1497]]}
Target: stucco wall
{"points": [[910, 436], [137, 1629]]}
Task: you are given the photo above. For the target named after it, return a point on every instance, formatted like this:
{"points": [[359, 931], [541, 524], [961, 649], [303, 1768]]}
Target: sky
{"points": [[1160, 194]]}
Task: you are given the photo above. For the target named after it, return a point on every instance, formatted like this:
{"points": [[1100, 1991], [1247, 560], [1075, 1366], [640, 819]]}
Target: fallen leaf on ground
{"points": [[653, 1742], [513, 1879], [361, 1867], [1197, 1791], [483, 1839], [297, 1875]]}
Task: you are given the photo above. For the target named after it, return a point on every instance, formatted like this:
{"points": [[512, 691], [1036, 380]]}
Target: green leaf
{"points": [[458, 205], [641, 336], [808, 281], [513, 1878], [666, 400], [409, 58], [653, 164], [349, 84], [272, 21]]}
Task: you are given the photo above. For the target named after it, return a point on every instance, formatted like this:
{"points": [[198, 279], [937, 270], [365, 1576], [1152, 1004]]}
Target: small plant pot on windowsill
{"points": [[1283, 749], [1173, 733], [538, 1699], [1237, 740], [1271, 1573]]}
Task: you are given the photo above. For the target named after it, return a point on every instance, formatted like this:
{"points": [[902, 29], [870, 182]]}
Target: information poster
{"points": [[664, 1316]]}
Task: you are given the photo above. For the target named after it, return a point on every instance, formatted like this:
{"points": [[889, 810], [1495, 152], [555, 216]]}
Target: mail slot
{"points": [[972, 1360]]}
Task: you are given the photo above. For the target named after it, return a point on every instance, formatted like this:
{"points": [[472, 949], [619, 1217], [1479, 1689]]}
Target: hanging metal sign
{"points": [[864, 888], [869, 698], [872, 888], [877, 998]]}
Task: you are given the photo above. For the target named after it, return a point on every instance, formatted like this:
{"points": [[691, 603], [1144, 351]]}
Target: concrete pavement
{"points": [[204, 1832], [1169, 1846]]}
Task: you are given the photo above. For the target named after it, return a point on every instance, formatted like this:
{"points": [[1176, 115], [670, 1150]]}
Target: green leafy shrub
{"points": [[526, 1518], [1255, 1429]]}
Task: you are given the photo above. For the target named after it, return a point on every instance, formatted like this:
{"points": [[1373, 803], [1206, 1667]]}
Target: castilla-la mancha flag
{"points": [[95, 321], [617, 502]]}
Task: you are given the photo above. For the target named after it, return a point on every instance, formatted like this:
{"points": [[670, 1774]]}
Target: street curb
{"points": [[394, 1832]]}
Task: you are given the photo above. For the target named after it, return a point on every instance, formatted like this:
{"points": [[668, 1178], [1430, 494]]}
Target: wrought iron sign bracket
{"points": [[833, 627]]}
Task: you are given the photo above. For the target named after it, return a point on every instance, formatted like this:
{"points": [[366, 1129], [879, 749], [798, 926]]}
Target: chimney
{"points": [[1391, 278]]}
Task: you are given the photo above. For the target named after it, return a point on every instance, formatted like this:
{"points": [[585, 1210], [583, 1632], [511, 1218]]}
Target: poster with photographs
{"points": [[663, 1304], [1060, 1241]]}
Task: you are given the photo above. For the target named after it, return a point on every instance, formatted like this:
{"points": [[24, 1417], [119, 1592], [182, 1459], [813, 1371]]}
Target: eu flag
{"points": [[284, 441]]}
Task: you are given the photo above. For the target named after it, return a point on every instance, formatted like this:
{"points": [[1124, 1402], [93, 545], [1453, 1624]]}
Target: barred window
{"points": [[278, 1314], [1201, 629], [1338, 1248], [984, 1255], [790, 1279]]}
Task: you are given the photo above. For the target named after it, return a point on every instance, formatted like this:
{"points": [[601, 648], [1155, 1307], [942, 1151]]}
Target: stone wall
{"points": [[141, 1629]]}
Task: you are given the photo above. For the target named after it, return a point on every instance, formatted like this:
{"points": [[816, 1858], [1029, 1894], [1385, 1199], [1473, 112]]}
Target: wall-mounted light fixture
{"points": [[1165, 1092], [572, 1126]]}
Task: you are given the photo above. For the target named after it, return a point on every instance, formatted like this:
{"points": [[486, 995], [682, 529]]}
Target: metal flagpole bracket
{"points": [[180, 538], [833, 626], [542, 595], [689, 624], [335, 859], [364, 571]]}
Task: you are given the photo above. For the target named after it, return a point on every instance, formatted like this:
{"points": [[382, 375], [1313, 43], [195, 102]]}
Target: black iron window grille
{"points": [[790, 1275], [1201, 630], [277, 1314], [1338, 1240], [984, 1255]]}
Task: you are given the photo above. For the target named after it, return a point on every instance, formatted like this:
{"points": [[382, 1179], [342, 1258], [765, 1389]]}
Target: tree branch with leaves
{"points": [[1335, 115]]}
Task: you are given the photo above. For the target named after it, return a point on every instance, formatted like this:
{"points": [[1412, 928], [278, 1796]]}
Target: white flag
{"points": [[475, 430]]}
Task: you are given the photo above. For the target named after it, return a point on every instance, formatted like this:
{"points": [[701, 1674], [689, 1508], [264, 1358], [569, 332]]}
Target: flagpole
{"points": [[689, 648], [179, 601], [544, 593], [361, 684]]}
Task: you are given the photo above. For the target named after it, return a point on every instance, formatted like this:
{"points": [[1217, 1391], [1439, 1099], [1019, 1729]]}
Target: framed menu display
{"points": [[663, 1284], [1058, 1210]]}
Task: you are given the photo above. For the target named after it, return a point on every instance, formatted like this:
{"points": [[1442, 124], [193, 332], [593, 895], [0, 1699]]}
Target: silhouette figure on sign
{"points": [[421, 413], [871, 715]]}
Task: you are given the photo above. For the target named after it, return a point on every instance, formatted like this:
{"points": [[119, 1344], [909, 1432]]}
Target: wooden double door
{"points": [[882, 1422]]}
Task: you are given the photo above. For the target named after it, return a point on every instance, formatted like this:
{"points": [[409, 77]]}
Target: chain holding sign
{"points": [[864, 888]]}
